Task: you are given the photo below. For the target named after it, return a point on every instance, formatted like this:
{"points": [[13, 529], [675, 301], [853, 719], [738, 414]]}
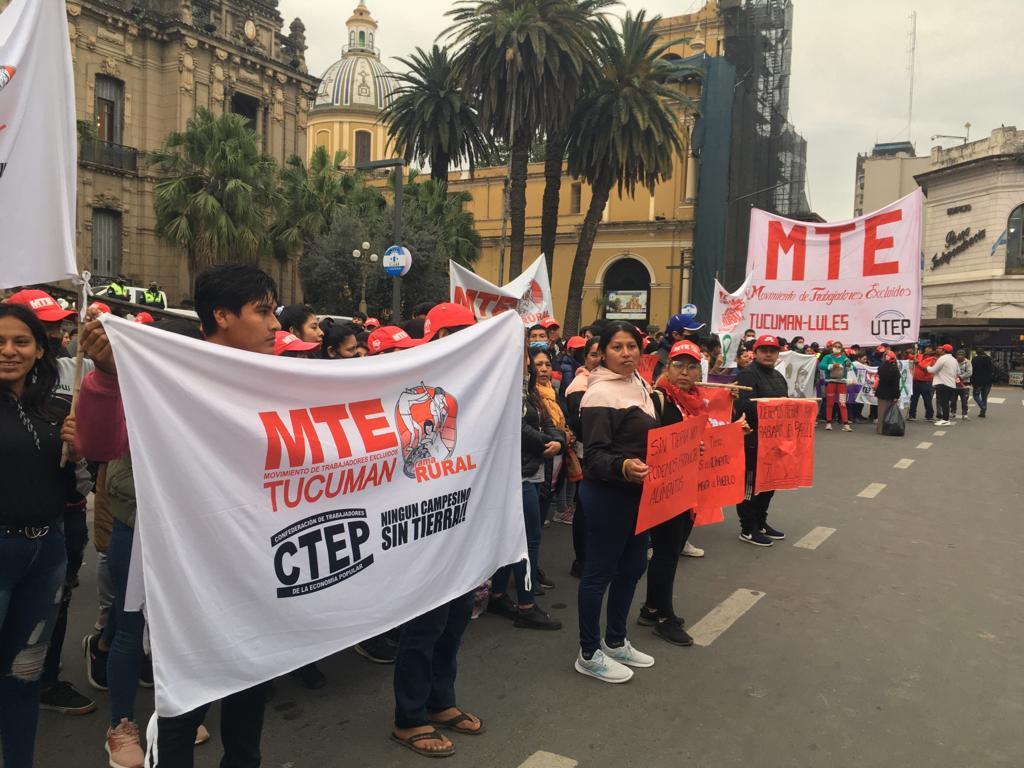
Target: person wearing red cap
{"points": [[764, 381], [389, 338], [835, 366], [371, 323], [887, 388], [144, 318], [51, 314], [554, 330], [290, 345], [922, 383], [945, 370], [445, 319]]}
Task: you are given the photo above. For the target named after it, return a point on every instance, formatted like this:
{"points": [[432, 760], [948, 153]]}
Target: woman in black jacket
{"points": [[888, 389], [540, 442], [617, 412]]}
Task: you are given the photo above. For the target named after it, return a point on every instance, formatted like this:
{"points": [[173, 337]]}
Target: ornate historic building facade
{"points": [[142, 68]]}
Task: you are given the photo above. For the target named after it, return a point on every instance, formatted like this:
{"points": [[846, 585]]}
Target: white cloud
{"points": [[849, 80]]}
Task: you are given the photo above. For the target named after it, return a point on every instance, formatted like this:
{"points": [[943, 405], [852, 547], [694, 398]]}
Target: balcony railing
{"points": [[115, 156], [360, 49]]}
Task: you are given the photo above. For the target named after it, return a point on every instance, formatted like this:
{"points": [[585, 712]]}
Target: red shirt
{"points": [[920, 370]]}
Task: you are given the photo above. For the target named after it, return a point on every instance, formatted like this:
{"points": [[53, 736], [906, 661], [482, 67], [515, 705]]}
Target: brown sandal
{"points": [[411, 741], [453, 724]]}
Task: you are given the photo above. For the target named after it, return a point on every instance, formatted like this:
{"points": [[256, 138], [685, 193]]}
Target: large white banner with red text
{"points": [[288, 509], [529, 295], [856, 281], [38, 146]]}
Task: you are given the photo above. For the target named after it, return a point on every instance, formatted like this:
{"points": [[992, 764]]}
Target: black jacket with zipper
{"points": [[538, 431]]}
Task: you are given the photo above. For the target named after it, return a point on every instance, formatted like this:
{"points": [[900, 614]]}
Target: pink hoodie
{"points": [[100, 430]]}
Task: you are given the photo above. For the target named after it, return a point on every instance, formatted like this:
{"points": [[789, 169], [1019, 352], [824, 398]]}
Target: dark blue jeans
{"points": [[534, 520], [921, 389], [76, 536], [427, 662], [123, 633], [32, 575], [981, 396], [616, 559]]}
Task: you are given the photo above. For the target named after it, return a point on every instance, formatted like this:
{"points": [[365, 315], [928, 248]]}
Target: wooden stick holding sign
{"points": [[718, 385]]}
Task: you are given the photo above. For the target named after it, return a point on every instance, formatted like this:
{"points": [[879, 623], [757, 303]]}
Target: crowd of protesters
{"points": [[585, 418]]}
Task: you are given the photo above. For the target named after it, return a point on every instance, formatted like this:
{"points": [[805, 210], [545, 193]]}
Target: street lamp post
{"points": [[396, 232], [364, 269]]}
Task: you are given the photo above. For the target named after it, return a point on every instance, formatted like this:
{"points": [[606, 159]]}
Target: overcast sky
{"points": [[849, 82]]}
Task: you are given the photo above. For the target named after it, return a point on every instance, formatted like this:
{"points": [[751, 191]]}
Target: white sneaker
{"points": [[828, 426], [943, 423], [691, 551], [628, 655], [965, 416], [847, 428], [602, 668]]}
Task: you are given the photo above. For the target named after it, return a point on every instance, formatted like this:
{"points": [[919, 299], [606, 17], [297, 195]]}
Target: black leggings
{"points": [[668, 540]]}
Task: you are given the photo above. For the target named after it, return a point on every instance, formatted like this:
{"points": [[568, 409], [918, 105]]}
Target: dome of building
{"points": [[358, 79]]}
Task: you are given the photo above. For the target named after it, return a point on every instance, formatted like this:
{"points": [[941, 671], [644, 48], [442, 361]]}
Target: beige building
{"points": [[886, 175], [142, 68]]}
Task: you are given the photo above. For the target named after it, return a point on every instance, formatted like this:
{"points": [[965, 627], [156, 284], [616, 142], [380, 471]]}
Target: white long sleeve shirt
{"points": [[946, 369]]}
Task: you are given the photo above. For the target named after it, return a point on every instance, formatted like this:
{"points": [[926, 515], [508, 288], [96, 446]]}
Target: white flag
{"points": [[38, 147], [728, 313], [291, 508], [529, 294], [799, 370]]}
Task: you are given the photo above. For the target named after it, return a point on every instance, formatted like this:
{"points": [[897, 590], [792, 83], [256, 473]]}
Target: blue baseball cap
{"points": [[680, 323]]}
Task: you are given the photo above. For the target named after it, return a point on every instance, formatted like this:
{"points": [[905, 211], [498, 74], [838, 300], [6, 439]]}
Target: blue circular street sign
{"points": [[397, 261], [690, 310]]}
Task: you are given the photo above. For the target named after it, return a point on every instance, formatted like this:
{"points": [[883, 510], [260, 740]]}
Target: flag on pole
{"points": [[529, 294], [728, 313], [38, 145]]}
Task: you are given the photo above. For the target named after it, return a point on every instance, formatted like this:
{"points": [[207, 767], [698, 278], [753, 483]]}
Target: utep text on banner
{"points": [[529, 295], [671, 486], [38, 145], [858, 280], [785, 444], [316, 505]]}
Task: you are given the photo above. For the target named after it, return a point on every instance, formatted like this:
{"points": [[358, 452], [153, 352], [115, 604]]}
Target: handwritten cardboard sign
{"points": [[720, 478], [646, 368], [670, 489], [785, 444]]}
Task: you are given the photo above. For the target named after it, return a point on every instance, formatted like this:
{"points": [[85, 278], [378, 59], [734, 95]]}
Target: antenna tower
{"points": [[912, 56]]}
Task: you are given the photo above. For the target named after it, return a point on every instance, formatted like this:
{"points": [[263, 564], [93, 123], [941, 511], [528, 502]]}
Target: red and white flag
{"points": [[529, 294]]}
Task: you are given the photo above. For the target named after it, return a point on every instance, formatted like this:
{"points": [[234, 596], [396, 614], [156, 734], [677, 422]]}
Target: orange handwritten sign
{"points": [[785, 444], [670, 489], [646, 368], [722, 468], [719, 404]]}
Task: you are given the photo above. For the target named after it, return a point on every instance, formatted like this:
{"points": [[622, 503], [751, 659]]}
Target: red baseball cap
{"points": [[947, 347], [890, 356], [685, 348], [145, 318], [43, 304], [390, 337], [289, 342], [575, 342], [102, 308], [371, 322], [550, 322], [767, 341], [447, 315]]}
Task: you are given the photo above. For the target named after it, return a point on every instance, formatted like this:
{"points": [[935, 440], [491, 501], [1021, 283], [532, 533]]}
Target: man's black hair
{"points": [[414, 327], [230, 287], [179, 325], [294, 316], [337, 335], [422, 308], [536, 327], [359, 316], [598, 326]]}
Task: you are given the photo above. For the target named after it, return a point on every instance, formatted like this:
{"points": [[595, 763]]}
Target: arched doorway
{"points": [[627, 291]]}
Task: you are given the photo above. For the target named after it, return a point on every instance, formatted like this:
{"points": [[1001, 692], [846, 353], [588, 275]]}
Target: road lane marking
{"points": [[903, 463], [997, 400], [871, 491], [924, 446], [815, 538], [548, 760], [939, 432], [723, 616]]}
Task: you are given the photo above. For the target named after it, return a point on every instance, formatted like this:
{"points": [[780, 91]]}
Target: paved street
{"points": [[896, 640]]}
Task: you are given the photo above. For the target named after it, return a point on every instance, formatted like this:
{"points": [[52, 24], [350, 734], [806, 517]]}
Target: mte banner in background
{"points": [[529, 295], [289, 508], [38, 145], [858, 281]]}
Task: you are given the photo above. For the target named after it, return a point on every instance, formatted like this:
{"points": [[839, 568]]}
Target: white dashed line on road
{"points": [[723, 616], [997, 400], [548, 760], [815, 538], [939, 432], [903, 464], [871, 491], [924, 446]]}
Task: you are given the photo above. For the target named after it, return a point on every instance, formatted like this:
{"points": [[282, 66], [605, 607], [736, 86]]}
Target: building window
{"points": [[109, 110], [352, 38], [371, 39], [1015, 241], [627, 288], [575, 197], [246, 106], [362, 39], [364, 147], [323, 139], [106, 242]]}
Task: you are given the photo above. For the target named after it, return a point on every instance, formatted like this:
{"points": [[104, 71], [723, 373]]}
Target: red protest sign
{"points": [[785, 444], [708, 516], [720, 480], [671, 486], [719, 404], [646, 368]]}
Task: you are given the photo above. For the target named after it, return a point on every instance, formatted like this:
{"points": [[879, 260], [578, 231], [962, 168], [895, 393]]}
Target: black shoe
{"points": [[981, 415], [95, 662], [545, 582], [534, 618], [647, 618], [146, 672], [377, 650], [757, 539], [502, 605], [63, 697], [576, 569], [672, 631], [311, 677], [771, 533]]}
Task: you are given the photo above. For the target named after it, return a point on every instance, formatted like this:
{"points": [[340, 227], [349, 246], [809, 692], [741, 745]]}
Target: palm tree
{"points": [[431, 118], [625, 131], [458, 240], [216, 189], [520, 58]]}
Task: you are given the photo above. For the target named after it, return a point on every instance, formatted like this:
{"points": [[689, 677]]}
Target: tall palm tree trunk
{"points": [[519, 169], [601, 189], [439, 163], [554, 154]]}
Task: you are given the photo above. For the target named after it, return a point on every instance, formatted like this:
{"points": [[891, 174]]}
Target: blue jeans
{"points": [[123, 633], [32, 575], [427, 662], [981, 396], [533, 517], [616, 559], [922, 389], [76, 536]]}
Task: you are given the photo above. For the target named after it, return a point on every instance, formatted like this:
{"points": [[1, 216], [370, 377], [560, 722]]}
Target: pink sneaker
{"points": [[123, 745]]}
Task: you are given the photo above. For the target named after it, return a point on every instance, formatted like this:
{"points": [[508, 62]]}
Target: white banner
{"points": [[799, 371], [529, 294], [728, 312], [291, 508], [866, 378], [38, 145], [858, 281]]}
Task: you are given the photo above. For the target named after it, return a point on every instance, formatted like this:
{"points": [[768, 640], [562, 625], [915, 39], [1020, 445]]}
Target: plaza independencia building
{"points": [[643, 262]]}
